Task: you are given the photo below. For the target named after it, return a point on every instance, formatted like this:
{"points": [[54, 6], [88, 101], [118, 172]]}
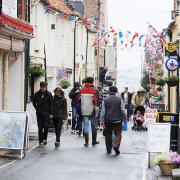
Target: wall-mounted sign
{"points": [[172, 64], [9, 7], [170, 49], [159, 107], [12, 56]]}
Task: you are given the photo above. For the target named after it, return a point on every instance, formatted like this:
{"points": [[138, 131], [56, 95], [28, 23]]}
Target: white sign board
{"points": [[159, 137], [150, 115], [9, 7], [32, 119], [12, 130]]}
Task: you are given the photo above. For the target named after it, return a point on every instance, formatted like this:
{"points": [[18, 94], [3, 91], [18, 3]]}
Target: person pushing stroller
{"points": [[138, 102]]}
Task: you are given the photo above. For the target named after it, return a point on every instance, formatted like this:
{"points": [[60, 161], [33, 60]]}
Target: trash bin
{"points": [[173, 119]]}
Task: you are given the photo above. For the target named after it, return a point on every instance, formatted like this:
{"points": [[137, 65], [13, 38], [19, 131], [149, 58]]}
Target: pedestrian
{"points": [[43, 103], [139, 98], [100, 100], [108, 84], [112, 115], [74, 95], [59, 113], [89, 110], [127, 97]]}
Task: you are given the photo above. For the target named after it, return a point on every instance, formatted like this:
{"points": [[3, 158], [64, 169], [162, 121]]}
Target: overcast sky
{"points": [[133, 15]]}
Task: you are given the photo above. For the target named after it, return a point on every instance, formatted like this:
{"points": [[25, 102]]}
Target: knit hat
{"points": [[113, 89]]}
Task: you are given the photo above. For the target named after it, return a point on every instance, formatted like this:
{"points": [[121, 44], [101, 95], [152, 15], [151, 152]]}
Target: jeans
{"points": [[58, 127], [86, 120], [115, 128], [42, 122], [74, 118]]}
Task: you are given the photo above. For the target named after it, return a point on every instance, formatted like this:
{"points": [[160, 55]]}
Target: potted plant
{"points": [[167, 162], [65, 84], [172, 81], [36, 71], [160, 82]]}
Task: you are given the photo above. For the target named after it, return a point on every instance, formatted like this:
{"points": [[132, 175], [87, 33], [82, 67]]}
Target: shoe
{"points": [[86, 145], [41, 144], [94, 141], [116, 149], [57, 144], [73, 131], [108, 151], [86, 136], [45, 142], [79, 133]]}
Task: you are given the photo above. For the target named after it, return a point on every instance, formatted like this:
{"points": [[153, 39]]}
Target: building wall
{"points": [[91, 61], [16, 83], [59, 45]]}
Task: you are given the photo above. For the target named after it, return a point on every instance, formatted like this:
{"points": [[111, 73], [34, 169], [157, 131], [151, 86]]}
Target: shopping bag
{"points": [[124, 126]]}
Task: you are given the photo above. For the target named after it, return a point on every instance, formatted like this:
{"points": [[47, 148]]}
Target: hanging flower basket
{"points": [[172, 81], [36, 71], [65, 84], [160, 82]]}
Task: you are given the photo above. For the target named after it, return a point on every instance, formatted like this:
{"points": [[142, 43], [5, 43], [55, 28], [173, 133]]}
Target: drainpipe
{"points": [[87, 41], [5, 83], [27, 61], [74, 66]]}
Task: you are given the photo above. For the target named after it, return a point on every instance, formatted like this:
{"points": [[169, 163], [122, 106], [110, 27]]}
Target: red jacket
{"points": [[89, 89]]}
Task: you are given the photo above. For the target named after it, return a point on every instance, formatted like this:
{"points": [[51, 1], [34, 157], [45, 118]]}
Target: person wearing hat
{"points": [[112, 115], [59, 112], [43, 103], [74, 95]]}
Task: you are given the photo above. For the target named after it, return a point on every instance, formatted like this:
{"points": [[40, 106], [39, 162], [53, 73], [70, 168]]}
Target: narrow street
{"points": [[72, 160]]}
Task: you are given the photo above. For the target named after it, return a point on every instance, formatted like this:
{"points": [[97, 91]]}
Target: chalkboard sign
{"points": [[159, 107], [159, 137]]}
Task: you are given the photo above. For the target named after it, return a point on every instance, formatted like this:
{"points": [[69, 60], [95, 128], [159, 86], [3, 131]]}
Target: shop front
{"points": [[13, 34]]}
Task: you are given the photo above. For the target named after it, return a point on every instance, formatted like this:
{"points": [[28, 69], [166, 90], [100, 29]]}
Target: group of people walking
{"points": [[90, 105]]}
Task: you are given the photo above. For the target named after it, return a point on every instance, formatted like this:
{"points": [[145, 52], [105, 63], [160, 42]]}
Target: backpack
{"points": [[87, 105]]}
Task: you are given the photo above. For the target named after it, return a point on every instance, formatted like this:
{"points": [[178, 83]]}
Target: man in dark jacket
{"points": [[113, 114], [127, 97], [42, 102], [59, 112], [74, 95]]}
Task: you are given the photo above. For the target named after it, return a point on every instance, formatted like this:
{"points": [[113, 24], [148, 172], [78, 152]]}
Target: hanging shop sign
{"points": [[170, 49], [172, 64]]}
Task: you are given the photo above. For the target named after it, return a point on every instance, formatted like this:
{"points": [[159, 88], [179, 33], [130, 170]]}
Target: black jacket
{"points": [[75, 98], [129, 97], [60, 107], [114, 111], [43, 103]]}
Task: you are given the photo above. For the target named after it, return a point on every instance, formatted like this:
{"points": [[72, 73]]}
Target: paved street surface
{"points": [[73, 161]]}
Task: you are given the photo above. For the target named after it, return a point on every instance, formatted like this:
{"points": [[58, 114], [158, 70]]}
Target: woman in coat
{"points": [[59, 112]]}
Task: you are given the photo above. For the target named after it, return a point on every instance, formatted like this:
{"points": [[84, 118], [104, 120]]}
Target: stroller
{"points": [[139, 119]]}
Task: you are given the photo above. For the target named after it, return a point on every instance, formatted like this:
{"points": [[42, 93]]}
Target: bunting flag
{"points": [[120, 35], [134, 37], [140, 39]]}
